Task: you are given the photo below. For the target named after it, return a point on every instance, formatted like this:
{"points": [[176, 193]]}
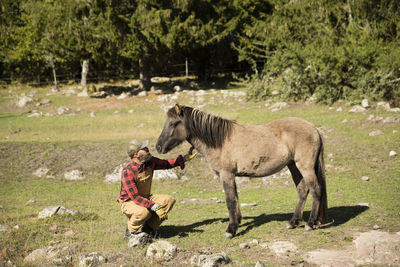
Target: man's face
{"points": [[144, 155]]}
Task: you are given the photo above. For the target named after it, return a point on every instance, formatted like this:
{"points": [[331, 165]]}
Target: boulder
{"points": [[162, 250], [91, 259], [139, 240], [212, 260], [169, 174], [53, 210]]}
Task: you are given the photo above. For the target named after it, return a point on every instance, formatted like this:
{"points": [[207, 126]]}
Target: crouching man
{"points": [[145, 211]]}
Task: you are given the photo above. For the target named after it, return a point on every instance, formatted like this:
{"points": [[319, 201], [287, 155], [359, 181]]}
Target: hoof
{"points": [[228, 235], [289, 226], [307, 228]]}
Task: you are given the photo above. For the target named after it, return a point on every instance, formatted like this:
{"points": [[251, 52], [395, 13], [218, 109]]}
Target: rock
{"points": [[122, 96], [383, 105], [23, 100], [84, 93], [177, 88], [91, 260], [345, 121], [248, 204], [283, 174], [244, 245], [280, 248], [53, 210], [365, 178], [376, 227], [377, 248], [365, 103], [213, 260], [259, 264], [242, 179], [139, 240], [376, 133], [143, 93], [392, 153], [115, 176], [363, 204], [278, 106], [62, 110], [161, 250], [169, 174], [3, 228], [275, 92], [92, 114], [41, 172], [325, 257], [38, 255], [69, 233], [357, 109], [339, 109], [74, 175], [391, 120]]}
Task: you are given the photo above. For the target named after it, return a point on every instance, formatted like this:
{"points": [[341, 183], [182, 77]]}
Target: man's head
{"points": [[138, 149]]}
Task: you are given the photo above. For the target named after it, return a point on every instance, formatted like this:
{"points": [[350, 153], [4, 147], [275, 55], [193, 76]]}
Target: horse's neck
{"points": [[199, 146]]}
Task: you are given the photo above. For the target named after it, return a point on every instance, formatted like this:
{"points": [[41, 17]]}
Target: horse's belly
{"points": [[261, 167]]}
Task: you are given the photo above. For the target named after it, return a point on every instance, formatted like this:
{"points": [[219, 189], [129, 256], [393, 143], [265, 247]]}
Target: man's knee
{"points": [[142, 215]]}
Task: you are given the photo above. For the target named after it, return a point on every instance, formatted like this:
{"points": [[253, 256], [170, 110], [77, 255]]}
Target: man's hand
{"points": [[160, 211]]}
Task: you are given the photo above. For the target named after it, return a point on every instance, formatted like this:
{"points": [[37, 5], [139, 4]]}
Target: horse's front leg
{"points": [[232, 202]]}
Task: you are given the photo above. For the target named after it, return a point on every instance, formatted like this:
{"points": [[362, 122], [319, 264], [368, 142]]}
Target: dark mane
{"points": [[210, 129]]}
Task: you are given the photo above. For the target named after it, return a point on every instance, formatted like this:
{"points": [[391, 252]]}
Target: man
{"points": [[145, 211]]}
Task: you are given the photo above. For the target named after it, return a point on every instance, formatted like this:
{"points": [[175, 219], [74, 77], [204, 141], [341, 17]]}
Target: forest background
{"points": [[331, 50]]}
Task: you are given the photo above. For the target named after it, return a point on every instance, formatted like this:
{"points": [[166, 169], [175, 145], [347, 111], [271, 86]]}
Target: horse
{"points": [[232, 149]]}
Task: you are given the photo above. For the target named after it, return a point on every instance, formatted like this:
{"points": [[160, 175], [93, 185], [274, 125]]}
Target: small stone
{"points": [[248, 204], [259, 264], [244, 245], [345, 121], [357, 109], [91, 260], [363, 204], [365, 103], [376, 133], [339, 109], [41, 172], [376, 227], [392, 153], [92, 114], [69, 233], [365, 178]]}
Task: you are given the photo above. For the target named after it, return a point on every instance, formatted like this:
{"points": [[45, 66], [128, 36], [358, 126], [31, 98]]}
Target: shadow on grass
{"points": [[340, 215]]}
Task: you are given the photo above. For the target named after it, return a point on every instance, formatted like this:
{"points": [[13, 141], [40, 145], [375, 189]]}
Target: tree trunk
{"points": [[144, 75], [85, 70]]}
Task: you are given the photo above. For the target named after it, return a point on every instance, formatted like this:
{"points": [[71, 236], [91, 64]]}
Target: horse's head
{"points": [[174, 131]]}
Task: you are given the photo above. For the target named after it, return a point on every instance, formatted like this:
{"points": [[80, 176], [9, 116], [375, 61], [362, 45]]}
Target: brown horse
{"points": [[254, 150]]}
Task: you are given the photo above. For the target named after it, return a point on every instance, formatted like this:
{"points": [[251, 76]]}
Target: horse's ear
{"points": [[178, 110]]}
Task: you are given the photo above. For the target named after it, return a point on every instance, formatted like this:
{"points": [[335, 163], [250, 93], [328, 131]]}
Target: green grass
{"points": [[96, 146]]}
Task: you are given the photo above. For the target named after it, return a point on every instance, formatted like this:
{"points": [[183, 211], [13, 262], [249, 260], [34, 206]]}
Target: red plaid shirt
{"points": [[132, 169]]}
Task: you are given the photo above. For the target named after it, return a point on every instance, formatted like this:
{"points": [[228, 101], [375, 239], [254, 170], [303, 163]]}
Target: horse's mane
{"points": [[210, 129]]}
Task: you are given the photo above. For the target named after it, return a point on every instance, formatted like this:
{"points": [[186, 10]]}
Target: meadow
{"points": [[96, 145]]}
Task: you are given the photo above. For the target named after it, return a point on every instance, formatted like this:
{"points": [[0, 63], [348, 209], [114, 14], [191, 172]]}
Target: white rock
{"points": [[3, 228], [392, 153], [62, 110], [248, 204], [168, 174], [122, 96], [383, 105], [275, 92], [357, 109], [92, 114], [139, 240], [391, 120], [41, 172], [91, 260], [143, 93], [345, 121], [84, 93], [339, 109], [161, 250], [278, 106], [376, 133], [365, 103], [23, 100], [365, 178], [213, 260], [280, 248], [74, 175], [53, 210], [115, 176]]}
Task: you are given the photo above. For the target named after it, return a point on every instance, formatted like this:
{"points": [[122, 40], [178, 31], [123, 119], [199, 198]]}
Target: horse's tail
{"points": [[320, 172]]}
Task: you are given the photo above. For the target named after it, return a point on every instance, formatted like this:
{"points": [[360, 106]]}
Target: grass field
{"points": [[96, 145]]}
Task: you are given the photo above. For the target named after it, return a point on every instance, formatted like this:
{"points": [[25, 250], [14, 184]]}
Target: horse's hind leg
{"points": [[229, 184], [302, 191], [311, 183]]}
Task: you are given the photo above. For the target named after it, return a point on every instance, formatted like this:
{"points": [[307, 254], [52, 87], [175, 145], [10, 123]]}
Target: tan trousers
{"points": [[138, 215]]}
